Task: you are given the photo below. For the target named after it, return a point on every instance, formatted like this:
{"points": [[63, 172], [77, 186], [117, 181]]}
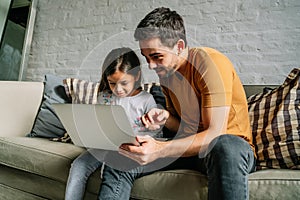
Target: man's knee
{"points": [[227, 146]]}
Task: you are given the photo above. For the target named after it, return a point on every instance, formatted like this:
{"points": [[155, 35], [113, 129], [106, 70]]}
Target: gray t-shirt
{"points": [[135, 107]]}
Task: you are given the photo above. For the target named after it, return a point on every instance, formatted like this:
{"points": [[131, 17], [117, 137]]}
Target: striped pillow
{"points": [[81, 91], [275, 119]]}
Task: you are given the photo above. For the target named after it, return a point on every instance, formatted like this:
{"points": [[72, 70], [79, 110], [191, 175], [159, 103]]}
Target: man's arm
{"points": [[150, 149], [215, 119]]}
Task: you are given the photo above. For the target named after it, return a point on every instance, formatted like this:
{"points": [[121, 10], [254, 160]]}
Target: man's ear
{"points": [[180, 45]]}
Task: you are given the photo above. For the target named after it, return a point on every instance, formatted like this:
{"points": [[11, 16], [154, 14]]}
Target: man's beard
{"points": [[169, 71]]}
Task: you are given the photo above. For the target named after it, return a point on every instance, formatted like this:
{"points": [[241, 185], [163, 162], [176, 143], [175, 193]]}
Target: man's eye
{"points": [[156, 57]]}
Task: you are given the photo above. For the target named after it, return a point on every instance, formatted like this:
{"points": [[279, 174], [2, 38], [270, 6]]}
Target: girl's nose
{"points": [[118, 87]]}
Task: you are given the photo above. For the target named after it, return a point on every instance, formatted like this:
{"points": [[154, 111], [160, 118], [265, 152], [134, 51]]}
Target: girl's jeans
{"points": [[227, 166], [86, 163], [82, 167]]}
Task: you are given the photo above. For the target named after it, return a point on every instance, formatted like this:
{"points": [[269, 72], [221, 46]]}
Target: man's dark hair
{"points": [[161, 23]]}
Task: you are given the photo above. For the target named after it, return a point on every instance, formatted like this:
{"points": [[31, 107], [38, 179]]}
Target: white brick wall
{"points": [[261, 37]]}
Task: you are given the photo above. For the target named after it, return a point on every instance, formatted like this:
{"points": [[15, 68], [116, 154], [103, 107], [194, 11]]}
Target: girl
{"points": [[120, 85]]}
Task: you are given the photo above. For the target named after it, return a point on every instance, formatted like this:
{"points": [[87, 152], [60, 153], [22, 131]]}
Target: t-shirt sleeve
{"points": [[215, 79]]}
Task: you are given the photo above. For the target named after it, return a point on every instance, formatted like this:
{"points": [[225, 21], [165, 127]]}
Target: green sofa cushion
{"points": [[37, 165], [38, 155]]}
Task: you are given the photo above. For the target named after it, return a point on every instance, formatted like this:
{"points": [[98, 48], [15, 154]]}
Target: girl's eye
{"points": [[112, 84], [124, 83]]}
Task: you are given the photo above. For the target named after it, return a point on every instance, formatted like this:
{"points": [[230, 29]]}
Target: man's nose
{"points": [[152, 65]]}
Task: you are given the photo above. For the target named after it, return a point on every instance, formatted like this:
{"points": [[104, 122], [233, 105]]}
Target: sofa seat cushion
{"points": [[40, 162], [38, 156], [264, 184], [172, 184], [22, 185], [274, 184]]}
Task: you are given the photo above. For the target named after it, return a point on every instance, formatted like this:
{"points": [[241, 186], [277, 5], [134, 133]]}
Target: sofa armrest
{"points": [[19, 104]]}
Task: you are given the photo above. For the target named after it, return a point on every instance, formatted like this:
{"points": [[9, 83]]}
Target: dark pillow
{"points": [[274, 118], [158, 95], [47, 124]]}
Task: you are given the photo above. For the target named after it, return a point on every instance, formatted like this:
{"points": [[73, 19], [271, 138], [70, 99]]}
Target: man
{"points": [[206, 109]]}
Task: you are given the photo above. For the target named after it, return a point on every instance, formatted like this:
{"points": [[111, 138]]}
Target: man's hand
{"points": [[148, 151], [155, 118]]}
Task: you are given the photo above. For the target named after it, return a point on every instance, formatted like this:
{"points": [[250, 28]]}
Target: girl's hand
{"points": [[155, 118]]}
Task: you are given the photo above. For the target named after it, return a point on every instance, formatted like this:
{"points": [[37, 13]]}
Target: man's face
{"points": [[160, 58]]}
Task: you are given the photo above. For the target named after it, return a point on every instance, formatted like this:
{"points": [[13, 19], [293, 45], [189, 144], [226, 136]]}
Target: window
{"points": [[16, 37]]}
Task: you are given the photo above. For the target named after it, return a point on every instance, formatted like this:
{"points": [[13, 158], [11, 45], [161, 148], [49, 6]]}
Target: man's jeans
{"points": [[227, 166]]}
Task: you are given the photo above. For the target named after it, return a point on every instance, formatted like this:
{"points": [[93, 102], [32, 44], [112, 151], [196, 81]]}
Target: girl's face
{"points": [[122, 84]]}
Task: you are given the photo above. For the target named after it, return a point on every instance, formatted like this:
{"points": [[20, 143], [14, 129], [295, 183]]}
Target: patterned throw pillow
{"points": [[275, 119], [81, 91]]}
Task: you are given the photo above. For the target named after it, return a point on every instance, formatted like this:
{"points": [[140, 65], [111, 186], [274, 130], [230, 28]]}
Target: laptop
{"points": [[96, 126]]}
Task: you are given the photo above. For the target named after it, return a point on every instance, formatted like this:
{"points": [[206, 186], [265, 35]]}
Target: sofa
{"points": [[36, 168]]}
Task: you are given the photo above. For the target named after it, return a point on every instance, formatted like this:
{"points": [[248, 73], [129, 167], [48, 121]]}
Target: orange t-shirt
{"points": [[209, 80]]}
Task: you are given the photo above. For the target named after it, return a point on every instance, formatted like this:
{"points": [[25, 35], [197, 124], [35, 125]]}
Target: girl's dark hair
{"points": [[121, 59], [164, 24]]}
